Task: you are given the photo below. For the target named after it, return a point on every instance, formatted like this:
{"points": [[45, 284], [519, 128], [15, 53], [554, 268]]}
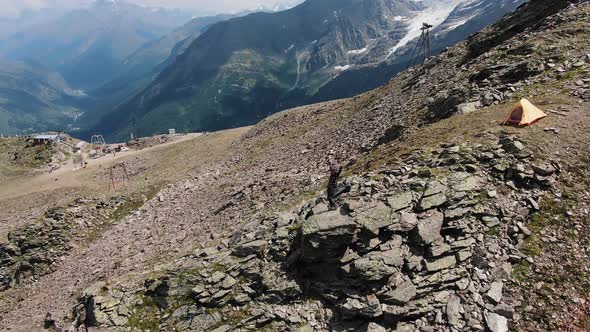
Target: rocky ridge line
{"points": [[428, 244]]}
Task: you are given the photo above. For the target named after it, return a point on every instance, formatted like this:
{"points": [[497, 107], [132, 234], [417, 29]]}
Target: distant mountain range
{"points": [[141, 67], [109, 51], [27, 18], [34, 98], [243, 69], [119, 63], [88, 45]]}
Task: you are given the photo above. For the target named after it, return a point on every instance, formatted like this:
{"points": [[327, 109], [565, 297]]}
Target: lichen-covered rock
{"points": [[370, 269], [376, 218], [465, 182], [495, 292], [326, 236], [401, 294], [401, 201], [428, 229], [440, 264], [368, 306], [255, 247], [495, 322], [431, 202], [405, 222], [453, 310]]}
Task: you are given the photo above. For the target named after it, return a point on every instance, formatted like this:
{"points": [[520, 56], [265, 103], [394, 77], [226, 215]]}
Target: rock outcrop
{"points": [[393, 257], [34, 250]]}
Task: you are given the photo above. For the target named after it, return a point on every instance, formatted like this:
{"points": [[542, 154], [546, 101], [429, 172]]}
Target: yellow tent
{"points": [[524, 114]]}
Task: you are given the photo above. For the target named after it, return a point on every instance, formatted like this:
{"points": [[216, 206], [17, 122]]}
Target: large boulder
{"points": [[431, 202], [401, 201], [464, 182], [326, 236], [367, 307], [255, 247], [374, 219], [97, 308], [429, 227], [402, 294], [373, 269]]}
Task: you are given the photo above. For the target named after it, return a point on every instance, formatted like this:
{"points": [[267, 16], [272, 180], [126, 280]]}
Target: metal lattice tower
{"points": [[423, 46], [118, 174]]}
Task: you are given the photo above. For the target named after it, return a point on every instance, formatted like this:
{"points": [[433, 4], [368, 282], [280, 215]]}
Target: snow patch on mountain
{"points": [[357, 52], [434, 15], [465, 7], [278, 6], [343, 68]]}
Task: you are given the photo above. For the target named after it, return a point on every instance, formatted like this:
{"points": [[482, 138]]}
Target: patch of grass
{"points": [[551, 212], [127, 208], [493, 232], [135, 203], [521, 271], [570, 75], [145, 317], [216, 267], [439, 173]]}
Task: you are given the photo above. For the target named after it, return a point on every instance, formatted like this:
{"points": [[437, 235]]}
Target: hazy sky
{"points": [[13, 7]]}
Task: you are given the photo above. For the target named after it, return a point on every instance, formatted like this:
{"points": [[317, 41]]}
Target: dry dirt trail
{"points": [[22, 201], [71, 175]]}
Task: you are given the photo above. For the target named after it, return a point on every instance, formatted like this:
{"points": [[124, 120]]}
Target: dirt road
{"points": [[72, 175]]}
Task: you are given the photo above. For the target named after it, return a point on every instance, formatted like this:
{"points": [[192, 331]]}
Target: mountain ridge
{"points": [[32, 96], [224, 80]]}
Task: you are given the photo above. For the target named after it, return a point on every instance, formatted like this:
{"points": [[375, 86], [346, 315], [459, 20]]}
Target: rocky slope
{"points": [[244, 69], [447, 221], [427, 243]]}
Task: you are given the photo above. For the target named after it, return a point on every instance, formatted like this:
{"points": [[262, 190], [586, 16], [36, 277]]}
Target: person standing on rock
{"points": [[335, 171]]}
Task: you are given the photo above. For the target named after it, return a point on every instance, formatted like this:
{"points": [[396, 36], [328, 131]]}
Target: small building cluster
{"points": [[44, 139]]}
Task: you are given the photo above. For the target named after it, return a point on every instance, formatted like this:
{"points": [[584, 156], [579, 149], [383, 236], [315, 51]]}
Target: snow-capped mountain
{"points": [[451, 21], [473, 15], [240, 70], [279, 6]]}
